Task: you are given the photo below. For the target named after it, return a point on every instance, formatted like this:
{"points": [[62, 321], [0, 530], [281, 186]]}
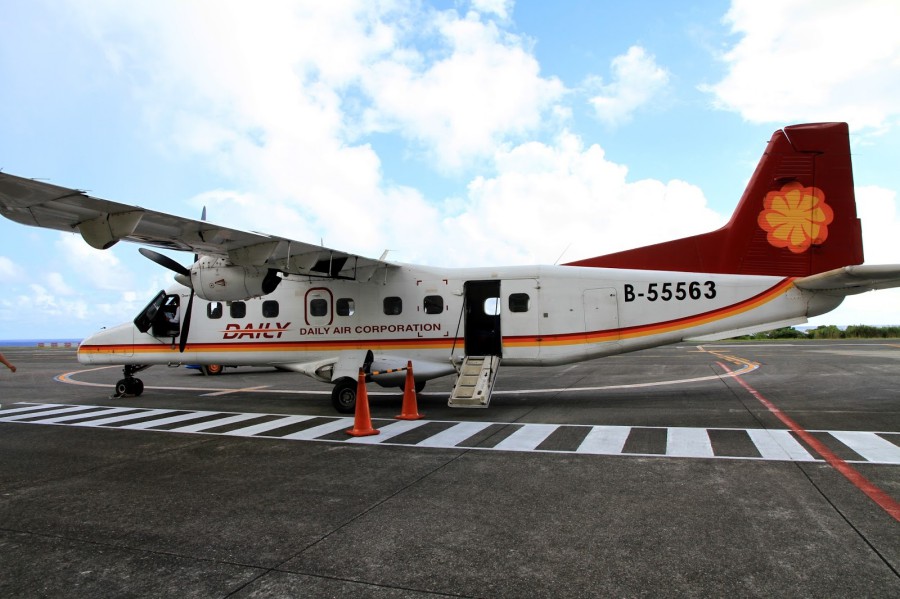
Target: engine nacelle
{"points": [[218, 281]]}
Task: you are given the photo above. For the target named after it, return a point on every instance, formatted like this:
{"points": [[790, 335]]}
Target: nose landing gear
{"points": [[130, 385]]}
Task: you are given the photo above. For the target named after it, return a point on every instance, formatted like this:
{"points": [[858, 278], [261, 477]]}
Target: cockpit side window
{"points": [[166, 323], [144, 320]]}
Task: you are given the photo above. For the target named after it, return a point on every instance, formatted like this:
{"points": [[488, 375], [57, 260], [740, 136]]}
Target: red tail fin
{"points": [[797, 216]]}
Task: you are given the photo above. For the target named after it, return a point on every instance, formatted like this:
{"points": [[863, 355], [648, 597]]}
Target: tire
{"points": [[137, 387], [343, 396], [212, 369], [122, 387]]}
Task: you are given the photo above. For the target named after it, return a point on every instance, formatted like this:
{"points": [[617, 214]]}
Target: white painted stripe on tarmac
{"points": [[66, 418], [605, 440], [126, 418], [388, 432], [170, 420], [46, 413], [778, 445], [527, 438], [249, 431], [870, 446], [202, 426], [689, 443], [321, 430], [602, 440], [454, 435], [30, 408]]}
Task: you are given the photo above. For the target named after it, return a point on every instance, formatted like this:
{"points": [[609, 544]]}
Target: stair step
{"points": [[475, 383]]}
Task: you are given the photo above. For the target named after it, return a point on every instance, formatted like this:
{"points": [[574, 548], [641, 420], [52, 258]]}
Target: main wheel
{"points": [[137, 387], [212, 369], [122, 387], [343, 396]]}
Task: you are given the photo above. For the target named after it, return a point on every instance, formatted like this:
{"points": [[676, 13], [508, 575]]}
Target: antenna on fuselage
{"points": [[563, 254]]}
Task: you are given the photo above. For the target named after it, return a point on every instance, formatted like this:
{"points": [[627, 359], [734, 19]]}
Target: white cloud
{"points": [[486, 88], [9, 270], [809, 60], [100, 268], [636, 79], [57, 284], [281, 107], [501, 8], [547, 198], [876, 207]]}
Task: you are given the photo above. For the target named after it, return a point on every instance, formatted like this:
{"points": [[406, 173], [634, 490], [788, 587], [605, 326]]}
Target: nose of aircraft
{"points": [[108, 346]]}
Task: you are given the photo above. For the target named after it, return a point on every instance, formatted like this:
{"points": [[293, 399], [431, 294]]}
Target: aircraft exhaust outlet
{"points": [[362, 420], [409, 411]]}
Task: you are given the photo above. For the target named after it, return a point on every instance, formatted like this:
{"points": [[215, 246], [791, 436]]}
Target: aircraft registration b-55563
{"points": [[791, 250]]}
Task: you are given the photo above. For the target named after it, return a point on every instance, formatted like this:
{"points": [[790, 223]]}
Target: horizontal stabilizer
{"points": [[850, 280]]}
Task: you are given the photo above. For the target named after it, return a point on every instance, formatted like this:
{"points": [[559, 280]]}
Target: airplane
{"points": [[791, 250]]}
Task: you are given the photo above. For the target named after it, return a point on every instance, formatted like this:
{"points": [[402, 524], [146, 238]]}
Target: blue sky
{"points": [[452, 133]]}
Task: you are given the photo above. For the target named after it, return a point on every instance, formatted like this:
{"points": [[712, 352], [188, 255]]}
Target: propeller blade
{"points": [[186, 325], [165, 262]]}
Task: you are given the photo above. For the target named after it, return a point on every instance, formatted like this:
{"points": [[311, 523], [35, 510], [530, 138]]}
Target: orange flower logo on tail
{"points": [[796, 217]]}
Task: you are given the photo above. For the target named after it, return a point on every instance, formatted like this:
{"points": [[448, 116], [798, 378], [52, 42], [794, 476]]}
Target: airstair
{"points": [[475, 383]]}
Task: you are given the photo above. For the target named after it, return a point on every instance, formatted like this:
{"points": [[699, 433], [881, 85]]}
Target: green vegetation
{"points": [[860, 331]]}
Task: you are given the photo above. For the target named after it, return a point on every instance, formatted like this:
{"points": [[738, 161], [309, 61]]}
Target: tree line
{"points": [[830, 331]]}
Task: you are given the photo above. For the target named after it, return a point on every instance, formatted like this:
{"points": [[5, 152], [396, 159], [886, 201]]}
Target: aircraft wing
{"points": [[850, 280], [103, 223]]}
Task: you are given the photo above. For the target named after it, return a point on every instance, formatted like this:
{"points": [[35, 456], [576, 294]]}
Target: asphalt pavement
{"points": [[652, 474]]}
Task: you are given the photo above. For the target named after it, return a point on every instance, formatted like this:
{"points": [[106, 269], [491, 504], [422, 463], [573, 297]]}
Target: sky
{"points": [[453, 133]]}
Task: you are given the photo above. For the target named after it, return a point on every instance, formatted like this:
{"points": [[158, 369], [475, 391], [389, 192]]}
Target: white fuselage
{"points": [[530, 315]]}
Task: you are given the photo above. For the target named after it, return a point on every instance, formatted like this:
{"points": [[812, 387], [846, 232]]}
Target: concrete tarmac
{"points": [[648, 474]]}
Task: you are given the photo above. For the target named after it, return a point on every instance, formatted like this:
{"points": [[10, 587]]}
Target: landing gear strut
{"points": [[130, 385]]}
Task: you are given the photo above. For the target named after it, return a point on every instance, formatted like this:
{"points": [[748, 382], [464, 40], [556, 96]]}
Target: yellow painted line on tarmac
{"points": [[746, 366]]}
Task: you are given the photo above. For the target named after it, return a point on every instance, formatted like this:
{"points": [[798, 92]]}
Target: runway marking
{"points": [[779, 445], [875, 493], [870, 446], [271, 425], [454, 435], [229, 391], [689, 443], [680, 442], [527, 438], [605, 440], [746, 366]]}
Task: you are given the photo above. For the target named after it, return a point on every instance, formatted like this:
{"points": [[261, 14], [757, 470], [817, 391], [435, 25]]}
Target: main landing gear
{"points": [[130, 385], [343, 396]]}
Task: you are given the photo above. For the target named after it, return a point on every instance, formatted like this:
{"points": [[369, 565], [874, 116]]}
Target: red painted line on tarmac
{"points": [[876, 494]]}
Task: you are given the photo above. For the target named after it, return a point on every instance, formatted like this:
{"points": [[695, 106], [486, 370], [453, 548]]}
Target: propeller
{"points": [[174, 266], [165, 262]]}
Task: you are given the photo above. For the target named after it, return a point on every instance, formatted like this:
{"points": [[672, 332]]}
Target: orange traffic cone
{"points": [[410, 410], [362, 421]]}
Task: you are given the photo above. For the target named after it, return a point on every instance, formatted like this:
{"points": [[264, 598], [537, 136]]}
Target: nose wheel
{"points": [[130, 385]]}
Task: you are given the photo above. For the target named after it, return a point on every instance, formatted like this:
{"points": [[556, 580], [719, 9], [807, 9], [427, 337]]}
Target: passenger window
{"points": [[518, 302], [345, 306], [237, 309], [492, 306], [214, 310], [270, 309], [318, 307], [393, 306], [434, 304]]}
